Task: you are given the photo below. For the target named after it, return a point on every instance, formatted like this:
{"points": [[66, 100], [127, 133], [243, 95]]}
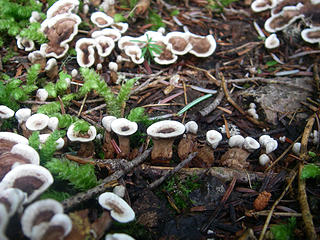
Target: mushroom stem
{"points": [[107, 146], [162, 151], [124, 142], [86, 149]]}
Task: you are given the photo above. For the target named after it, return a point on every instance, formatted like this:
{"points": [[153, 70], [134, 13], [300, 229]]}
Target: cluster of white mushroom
{"points": [[61, 25], [22, 180], [252, 111], [285, 13]]}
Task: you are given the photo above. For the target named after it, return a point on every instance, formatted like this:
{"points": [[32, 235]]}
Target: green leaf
{"points": [[51, 89], [271, 63], [119, 18], [284, 231], [81, 126], [194, 102], [310, 171], [174, 12]]}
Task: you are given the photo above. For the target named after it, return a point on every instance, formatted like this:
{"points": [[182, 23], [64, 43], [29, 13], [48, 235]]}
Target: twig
{"points": [[83, 196], [304, 53], [236, 106], [249, 45], [280, 214], [95, 108], [173, 171], [305, 210], [265, 226], [225, 174], [82, 104], [212, 106]]}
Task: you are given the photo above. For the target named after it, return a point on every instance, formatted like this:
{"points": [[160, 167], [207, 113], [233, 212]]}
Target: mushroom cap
{"points": [[271, 145], [311, 35], [179, 42], [106, 122], [12, 199], [191, 127], [166, 129], [122, 27], [135, 54], [51, 63], [166, 57], [107, 32], [37, 56], [43, 138], [61, 7], [123, 127], [37, 122], [42, 94], [250, 144], [85, 51], [213, 138], [59, 30], [296, 148], [26, 152], [263, 139], [39, 212], [262, 5], [264, 159], [283, 19], [202, 46], [24, 43], [118, 236], [30, 178], [5, 112], [53, 123], [88, 137], [19, 154], [23, 114], [236, 141], [104, 45], [101, 20], [13, 137], [272, 41], [113, 66], [119, 208], [60, 225], [125, 41]]}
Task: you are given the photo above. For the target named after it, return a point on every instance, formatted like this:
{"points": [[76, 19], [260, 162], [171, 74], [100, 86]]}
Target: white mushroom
{"points": [[101, 20], [191, 127], [119, 209], [22, 115], [37, 122], [118, 236], [124, 128], [272, 41], [250, 144], [44, 137], [296, 148], [213, 138], [202, 46], [236, 141], [39, 212], [163, 134], [53, 123], [30, 178], [264, 159], [42, 94], [85, 51], [12, 198]]}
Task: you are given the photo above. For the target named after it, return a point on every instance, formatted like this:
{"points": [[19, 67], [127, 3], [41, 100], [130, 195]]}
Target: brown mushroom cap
{"points": [[39, 212], [120, 210], [85, 51], [30, 178], [61, 7]]}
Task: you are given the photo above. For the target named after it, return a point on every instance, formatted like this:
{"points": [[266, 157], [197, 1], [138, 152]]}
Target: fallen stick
{"points": [[302, 195], [83, 196], [224, 174]]}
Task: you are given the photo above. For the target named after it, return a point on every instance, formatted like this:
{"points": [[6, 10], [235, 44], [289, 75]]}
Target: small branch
{"points": [[84, 196], [265, 226], [212, 106], [236, 106], [302, 195], [171, 172]]}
